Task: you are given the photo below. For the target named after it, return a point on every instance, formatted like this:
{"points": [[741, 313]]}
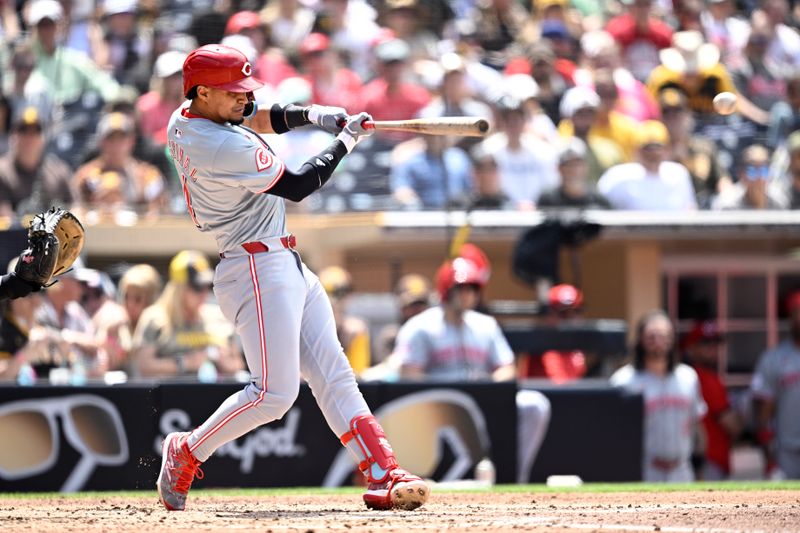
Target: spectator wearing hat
{"points": [[270, 64], [776, 393], [541, 65], [290, 21], [564, 47], [487, 192], [73, 342], [699, 154], [641, 35], [579, 109], [352, 331], [497, 25], [722, 423], [602, 52], [390, 96], [183, 330], [436, 177], [69, 74], [692, 65], [527, 165], [575, 189], [413, 296], [332, 84], [31, 178], [753, 189], [115, 178], [154, 108], [454, 96], [108, 317], [652, 183], [25, 86], [128, 47], [406, 20]]}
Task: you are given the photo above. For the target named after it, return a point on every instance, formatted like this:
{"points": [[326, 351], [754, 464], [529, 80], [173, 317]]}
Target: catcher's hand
{"points": [[55, 239]]}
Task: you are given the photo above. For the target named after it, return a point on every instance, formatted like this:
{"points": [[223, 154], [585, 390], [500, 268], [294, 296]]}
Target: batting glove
{"points": [[354, 130], [328, 118]]}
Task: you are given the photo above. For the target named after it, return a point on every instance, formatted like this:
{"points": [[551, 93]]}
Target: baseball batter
{"points": [[235, 187], [673, 403]]}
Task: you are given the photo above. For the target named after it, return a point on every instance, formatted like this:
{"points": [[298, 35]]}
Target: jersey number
{"points": [[188, 197]]}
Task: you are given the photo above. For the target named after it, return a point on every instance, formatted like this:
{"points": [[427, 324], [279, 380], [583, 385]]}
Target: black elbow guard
{"points": [[285, 118]]}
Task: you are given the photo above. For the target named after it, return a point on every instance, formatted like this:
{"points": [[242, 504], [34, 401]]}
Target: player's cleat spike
{"points": [[178, 469], [400, 490]]}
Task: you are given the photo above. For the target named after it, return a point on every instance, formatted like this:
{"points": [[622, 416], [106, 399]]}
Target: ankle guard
{"points": [[377, 455]]}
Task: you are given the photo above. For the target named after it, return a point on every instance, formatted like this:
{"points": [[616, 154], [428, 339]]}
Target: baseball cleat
{"points": [[400, 490], [178, 469]]}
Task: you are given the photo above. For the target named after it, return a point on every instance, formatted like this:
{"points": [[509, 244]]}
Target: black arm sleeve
{"points": [[285, 118], [12, 287], [312, 175]]}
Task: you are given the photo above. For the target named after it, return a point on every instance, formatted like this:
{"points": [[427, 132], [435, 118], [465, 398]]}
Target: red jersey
{"points": [[402, 104], [718, 448]]}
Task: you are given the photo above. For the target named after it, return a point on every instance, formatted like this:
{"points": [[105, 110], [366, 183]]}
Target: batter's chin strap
{"points": [[378, 456]]}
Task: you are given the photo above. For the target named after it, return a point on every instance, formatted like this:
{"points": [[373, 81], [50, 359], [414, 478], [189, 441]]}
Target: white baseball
{"points": [[725, 103]]}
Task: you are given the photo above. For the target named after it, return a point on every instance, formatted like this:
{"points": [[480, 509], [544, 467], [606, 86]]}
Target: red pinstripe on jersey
{"points": [[263, 344]]}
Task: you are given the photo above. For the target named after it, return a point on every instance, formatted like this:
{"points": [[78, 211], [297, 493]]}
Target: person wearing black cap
{"points": [[574, 189], [31, 178]]}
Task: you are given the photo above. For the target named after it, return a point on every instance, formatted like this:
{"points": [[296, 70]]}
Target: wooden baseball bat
{"points": [[457, 126]]}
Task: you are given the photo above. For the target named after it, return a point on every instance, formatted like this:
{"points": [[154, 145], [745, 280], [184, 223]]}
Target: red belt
{"points": [[665, 465], [256, 247]]}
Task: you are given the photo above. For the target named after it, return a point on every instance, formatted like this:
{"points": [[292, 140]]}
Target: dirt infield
{"points": [[705, 510]]}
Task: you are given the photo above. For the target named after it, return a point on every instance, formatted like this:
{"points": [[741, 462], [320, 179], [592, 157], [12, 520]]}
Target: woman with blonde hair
{"points": [[182, 331]]}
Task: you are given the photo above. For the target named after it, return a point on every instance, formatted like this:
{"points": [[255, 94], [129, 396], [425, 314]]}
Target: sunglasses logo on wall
{"points": [[30, 443]]}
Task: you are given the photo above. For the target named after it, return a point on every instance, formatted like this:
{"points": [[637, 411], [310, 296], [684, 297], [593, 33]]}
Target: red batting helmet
{"points": [[459, 271], [564, 297], [221, 67]]}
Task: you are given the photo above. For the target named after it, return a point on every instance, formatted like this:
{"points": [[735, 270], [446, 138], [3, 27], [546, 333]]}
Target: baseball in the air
{"points": [[725, 103]]}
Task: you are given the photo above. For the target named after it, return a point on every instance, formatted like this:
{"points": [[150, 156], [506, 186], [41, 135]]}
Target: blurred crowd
{"points": [[591, 104]]}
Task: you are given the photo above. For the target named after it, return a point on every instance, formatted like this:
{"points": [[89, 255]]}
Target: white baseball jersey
{"points": [[468, 351], [673, 405], [777, 378], [631, 186], [279, 308], [223, 168]]}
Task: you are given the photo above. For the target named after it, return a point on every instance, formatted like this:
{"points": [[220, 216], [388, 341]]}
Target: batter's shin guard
{"points": [[389, 485]]}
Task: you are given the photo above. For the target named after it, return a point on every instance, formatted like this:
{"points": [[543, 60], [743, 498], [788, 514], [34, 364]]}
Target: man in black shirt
{"points": [[575, 189]]}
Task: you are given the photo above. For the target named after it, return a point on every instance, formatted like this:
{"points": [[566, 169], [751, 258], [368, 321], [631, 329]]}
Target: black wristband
{"points": [[12, 286], [285, 118]]}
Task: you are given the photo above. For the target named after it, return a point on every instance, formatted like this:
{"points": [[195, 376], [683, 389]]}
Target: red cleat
{"points": [[400, 490], [178, 469]]}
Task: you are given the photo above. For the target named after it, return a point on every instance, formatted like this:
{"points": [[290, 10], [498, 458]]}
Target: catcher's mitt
{"points": [[55, 239]]}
